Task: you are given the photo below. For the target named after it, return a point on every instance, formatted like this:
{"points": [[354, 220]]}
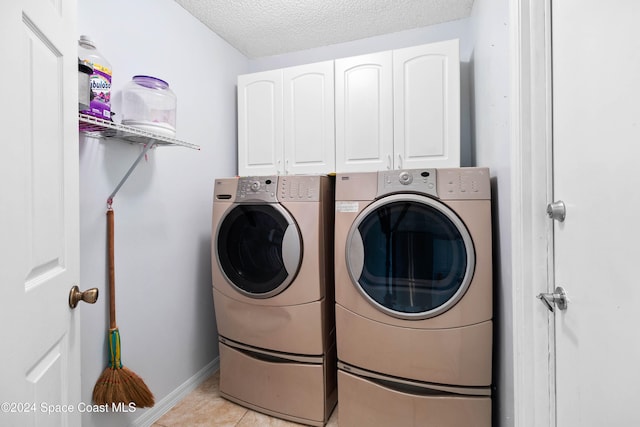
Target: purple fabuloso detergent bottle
{"points": [[100, 80]]}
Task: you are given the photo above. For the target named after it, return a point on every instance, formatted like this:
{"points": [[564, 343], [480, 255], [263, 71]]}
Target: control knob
{"points": [[405, 178]]}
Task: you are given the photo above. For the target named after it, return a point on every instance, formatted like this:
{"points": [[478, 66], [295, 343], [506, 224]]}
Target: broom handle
{"points": [[112, 270]]}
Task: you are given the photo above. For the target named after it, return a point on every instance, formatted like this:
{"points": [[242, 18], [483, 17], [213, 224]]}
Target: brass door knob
{"points": [[89, 296]]}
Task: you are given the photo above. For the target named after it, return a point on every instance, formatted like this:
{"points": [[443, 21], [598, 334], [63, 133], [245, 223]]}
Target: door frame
{"points": [[531, 230]]}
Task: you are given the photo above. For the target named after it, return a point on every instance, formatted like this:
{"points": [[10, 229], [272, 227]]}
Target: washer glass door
{"points": [[410, 256], [259, 249]]}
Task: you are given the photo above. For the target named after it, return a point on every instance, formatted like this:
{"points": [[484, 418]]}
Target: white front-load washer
{"points": [[273, 292], [414, 297]]}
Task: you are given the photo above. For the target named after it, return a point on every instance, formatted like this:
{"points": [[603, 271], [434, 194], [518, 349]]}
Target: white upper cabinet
{"points": [[309, 136], [364, 113], [399, 109], [260, 142], [426, 89], [396, 109], [286, 121]]}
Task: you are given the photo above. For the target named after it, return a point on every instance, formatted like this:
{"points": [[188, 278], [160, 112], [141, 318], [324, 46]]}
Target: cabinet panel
{"points": [[260, 143], [394, 109], [309, 141], [427, 106], [364, 112]]}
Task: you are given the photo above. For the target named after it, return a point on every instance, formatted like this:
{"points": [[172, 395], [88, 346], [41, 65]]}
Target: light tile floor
{"points": [[204, 407]]}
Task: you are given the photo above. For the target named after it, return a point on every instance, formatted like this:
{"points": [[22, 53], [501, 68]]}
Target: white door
{"points": [[426, 96], [39, 247], [308, 103], [260, 144], [364, 113], [596, 158]]}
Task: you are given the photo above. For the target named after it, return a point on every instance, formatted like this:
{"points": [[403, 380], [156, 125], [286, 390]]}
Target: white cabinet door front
{"points": [[309, 142], [427, 106], [364, 113], [260, 144]]}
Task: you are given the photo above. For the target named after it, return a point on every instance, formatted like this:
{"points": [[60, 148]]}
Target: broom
{"points": [[118, 384]]}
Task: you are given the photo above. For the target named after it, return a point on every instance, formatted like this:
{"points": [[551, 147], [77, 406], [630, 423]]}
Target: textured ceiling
{"points": [[260, 28]]}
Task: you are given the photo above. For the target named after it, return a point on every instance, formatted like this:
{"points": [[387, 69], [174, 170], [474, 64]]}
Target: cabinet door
{"points": [[364, 113], [309, 141], [427, 106], [260, 146]]}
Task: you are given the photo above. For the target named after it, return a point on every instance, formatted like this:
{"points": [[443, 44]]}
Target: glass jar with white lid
{"points": [[149, 104]]}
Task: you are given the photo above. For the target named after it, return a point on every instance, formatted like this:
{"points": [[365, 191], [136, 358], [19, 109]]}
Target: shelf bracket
{"points": [[147, 147]]}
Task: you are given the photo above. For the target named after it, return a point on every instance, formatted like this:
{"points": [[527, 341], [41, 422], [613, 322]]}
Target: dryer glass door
{"points": [[410, 256], [259, 249]]}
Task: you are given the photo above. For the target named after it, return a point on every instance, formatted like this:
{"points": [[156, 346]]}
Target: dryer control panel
{"points": [[254, 188], [464, 184], [410, 180]]}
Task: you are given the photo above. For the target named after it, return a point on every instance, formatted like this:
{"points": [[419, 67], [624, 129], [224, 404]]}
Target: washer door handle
{"points": [[355, 256], [291, 250]]}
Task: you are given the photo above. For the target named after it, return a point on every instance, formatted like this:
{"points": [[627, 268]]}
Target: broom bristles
{"points": [[121, 385]]}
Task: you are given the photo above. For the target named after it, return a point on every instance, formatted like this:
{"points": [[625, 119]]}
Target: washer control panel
{"points": [[410, 180], [299, 188], [252, 188]]}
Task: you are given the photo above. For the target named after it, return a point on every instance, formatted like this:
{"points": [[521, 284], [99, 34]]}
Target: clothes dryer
{"points": [[414, 297], [272, 268]]}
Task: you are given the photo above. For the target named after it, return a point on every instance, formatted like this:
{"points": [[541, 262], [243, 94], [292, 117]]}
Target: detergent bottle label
{"points": [[100, 85]]}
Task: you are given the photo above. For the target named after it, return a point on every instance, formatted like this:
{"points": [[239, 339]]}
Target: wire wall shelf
{"points": [[99, 128]]}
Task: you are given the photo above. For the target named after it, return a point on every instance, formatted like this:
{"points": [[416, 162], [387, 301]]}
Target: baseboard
{"points": [[165, 405]]}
